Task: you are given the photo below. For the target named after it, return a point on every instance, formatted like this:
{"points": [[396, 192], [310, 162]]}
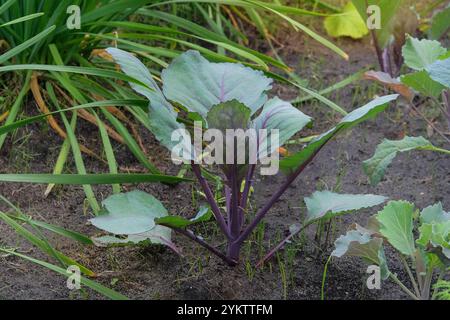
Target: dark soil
{"points": [[158, 273]]}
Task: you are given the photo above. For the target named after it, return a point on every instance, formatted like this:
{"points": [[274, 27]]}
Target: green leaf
{"points": [[385, 153], [204, 215], [89, 283], [440, 24], [440, 72], [129, 213], [436, 235], [282, 116], [396, 224], [25, 45], [228, 115], [422, 83], [346, 24], [162, 116], [158, 235], [419, 54], [357, 116], [134, 68], [90, 179], [198, 85], [362, 245], [326, 204], [434, 214]]}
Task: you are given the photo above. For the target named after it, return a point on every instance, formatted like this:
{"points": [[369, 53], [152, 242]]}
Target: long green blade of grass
{"points": [[87, 282], [18, 49], [90, 179]]}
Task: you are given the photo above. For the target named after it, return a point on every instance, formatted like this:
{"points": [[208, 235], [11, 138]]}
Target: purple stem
{"points": [[244, 235], [205, 245], [235, 219], [279, 246], [211, 200], [247, 187]]}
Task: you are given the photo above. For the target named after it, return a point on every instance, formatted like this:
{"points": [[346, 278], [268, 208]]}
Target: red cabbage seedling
{"points": [[224, 98]]}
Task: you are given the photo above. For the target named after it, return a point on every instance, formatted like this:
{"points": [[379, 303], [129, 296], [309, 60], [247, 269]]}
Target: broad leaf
{"points": [[129, 213], [357, 244], [198, 84], [162, 116], [385, 153], [388, 10], [440, 24], [204, 215], [419, 54], [422, 83], [396, 225], [366, 112], [158, 235], [230, 115], [134, 68], [391, 83], [436, 235], [282, 116], [440, 72], [326, 204], [346, 24], [163, 124], [434, 214]]}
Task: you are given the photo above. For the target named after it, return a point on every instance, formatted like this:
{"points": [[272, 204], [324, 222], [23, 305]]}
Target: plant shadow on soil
{"points": [[158, 273]]}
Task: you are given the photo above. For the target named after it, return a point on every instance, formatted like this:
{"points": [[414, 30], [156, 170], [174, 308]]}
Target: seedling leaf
{"points": [[419, 54], [357, 244], [326, 204], [346, 24], [385, 153], [357, 116], [396, 224], [129, 213]]}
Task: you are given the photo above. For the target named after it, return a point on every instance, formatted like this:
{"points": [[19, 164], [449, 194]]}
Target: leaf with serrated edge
{"points": [[326, 204], [386, 152], [357, 116], [434, 214], [419, 54], [396, 225], [198, 84], [357, 244]]}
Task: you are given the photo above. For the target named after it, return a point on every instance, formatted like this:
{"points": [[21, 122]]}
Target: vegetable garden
{"points": [[225, 149]]}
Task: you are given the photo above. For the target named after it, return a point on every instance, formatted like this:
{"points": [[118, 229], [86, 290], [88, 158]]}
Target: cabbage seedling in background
{"points": [[222, 96], [394, 225]]}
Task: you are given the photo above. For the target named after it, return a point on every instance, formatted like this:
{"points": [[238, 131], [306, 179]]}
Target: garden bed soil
{"points": [[158, 273]]}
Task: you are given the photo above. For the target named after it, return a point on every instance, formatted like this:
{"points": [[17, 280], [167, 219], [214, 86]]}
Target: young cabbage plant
{"points": [[427, 252], [229, 100], [430, 63], [323, 206]]}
